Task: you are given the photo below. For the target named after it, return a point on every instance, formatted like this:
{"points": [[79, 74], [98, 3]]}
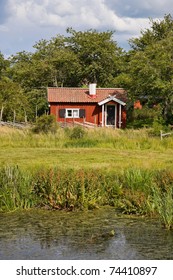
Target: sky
{"points": [[25, 22]]}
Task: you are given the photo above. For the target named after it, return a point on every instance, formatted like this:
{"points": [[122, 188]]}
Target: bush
{"points": [[77, 133], [45, 124], [147, 117]]}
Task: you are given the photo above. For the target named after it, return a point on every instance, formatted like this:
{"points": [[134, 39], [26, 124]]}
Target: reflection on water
{"points": [[43, 234]]}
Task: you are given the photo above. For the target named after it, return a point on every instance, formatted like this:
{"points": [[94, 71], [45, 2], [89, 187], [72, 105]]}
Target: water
{"points": [[44, 234]]}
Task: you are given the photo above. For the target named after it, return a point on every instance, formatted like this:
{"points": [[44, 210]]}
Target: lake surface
{"points": [[45, 234]]}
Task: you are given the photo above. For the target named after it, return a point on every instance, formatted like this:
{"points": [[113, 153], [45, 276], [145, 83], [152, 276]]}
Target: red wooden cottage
{"points": [[99, 106]]}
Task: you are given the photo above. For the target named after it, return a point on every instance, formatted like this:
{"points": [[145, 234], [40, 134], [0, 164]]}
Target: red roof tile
{"points": [[81, 95]]}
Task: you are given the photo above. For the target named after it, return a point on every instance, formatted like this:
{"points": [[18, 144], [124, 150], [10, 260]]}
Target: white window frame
{"points": [[72, 115]]}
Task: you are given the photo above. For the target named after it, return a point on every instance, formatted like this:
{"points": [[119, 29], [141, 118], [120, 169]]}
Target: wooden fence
{"points": [[164, 134]]}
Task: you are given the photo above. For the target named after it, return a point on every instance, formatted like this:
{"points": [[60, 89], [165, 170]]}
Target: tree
{"points": [[3, 65], [20, 69], [98, 53], [33, 76], [62, 63], [10, 98], [150, 66], [38, 105], [72, 61]]}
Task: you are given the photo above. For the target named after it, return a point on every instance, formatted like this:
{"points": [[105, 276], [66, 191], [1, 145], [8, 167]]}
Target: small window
{"points": [[72, 113], [69, 114], [76, 113]]}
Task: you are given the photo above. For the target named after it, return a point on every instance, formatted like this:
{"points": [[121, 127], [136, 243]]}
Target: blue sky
{"points": [[25, 22]]}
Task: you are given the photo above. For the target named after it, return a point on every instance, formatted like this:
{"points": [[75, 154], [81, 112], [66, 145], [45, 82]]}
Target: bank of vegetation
{"points": [[130, 170], [131, 191]]}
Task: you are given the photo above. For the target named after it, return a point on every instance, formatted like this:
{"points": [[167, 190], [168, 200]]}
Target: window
{"points": [[72, 113]]}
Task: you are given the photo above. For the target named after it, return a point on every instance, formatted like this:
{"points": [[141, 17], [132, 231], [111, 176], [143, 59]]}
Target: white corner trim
{"points": [[111, 98]]}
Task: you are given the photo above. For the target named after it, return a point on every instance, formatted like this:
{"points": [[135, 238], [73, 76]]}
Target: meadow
{"points": [[131, 170], [98, 148]]}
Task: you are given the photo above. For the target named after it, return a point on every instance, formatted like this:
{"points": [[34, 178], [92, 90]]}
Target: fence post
{"points": [[161, 136]]}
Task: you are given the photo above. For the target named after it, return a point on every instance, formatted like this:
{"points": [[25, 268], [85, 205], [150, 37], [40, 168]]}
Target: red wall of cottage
{"points": [[124, 117], [93, 113]]}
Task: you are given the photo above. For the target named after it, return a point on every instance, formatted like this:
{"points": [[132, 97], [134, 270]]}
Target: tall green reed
{"points": [[15, 189], [132, 191], [163, 202], [162, 194]]}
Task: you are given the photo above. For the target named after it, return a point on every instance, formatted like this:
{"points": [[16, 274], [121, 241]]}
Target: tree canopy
{"points": [[149, 72], [81, 57]]}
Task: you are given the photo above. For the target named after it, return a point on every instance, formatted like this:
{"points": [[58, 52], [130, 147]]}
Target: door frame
{"points": [[115, 117]]}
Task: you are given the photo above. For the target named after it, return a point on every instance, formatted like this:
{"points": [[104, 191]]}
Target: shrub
{"points": [[45, 124], [77, 132], [147, 117]]}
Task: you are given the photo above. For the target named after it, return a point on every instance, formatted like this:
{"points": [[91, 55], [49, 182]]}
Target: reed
{"points": [[15, 189], [163, 203], [162, 196], [132, 191]]}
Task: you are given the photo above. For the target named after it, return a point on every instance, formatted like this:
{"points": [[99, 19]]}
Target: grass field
{"points": [[100, 148]]}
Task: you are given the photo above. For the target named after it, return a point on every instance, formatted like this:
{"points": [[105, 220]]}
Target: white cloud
{"points": [[31, 20], [3, 28], [91, 14]]}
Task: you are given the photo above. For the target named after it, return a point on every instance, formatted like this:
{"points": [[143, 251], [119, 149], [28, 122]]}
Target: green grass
{"points": [[105, 148], [86, 158]]}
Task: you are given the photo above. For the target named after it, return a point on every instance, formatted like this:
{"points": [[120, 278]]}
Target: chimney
{"points": [[92, 89]]}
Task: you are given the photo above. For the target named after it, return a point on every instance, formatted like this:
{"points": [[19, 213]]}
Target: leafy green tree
{"points": [[37, 101], [149, 74], [3, 65], [71, 61], [98, 53], [62, 63], [10, 99], [32, 75], [20, 69]]}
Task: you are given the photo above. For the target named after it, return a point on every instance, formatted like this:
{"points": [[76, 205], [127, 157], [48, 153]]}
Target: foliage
{"points": [[82, 57], [15, 189], [61, 61], [163, 203], [149, 69], [147, 117], [133, 191], [3, 66], [45, 124], [77, 132], [11, 100], [99, 55]]}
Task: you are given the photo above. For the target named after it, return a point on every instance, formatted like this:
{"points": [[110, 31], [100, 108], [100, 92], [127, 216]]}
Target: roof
{"points": [[81, 95], [112, 98]]}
